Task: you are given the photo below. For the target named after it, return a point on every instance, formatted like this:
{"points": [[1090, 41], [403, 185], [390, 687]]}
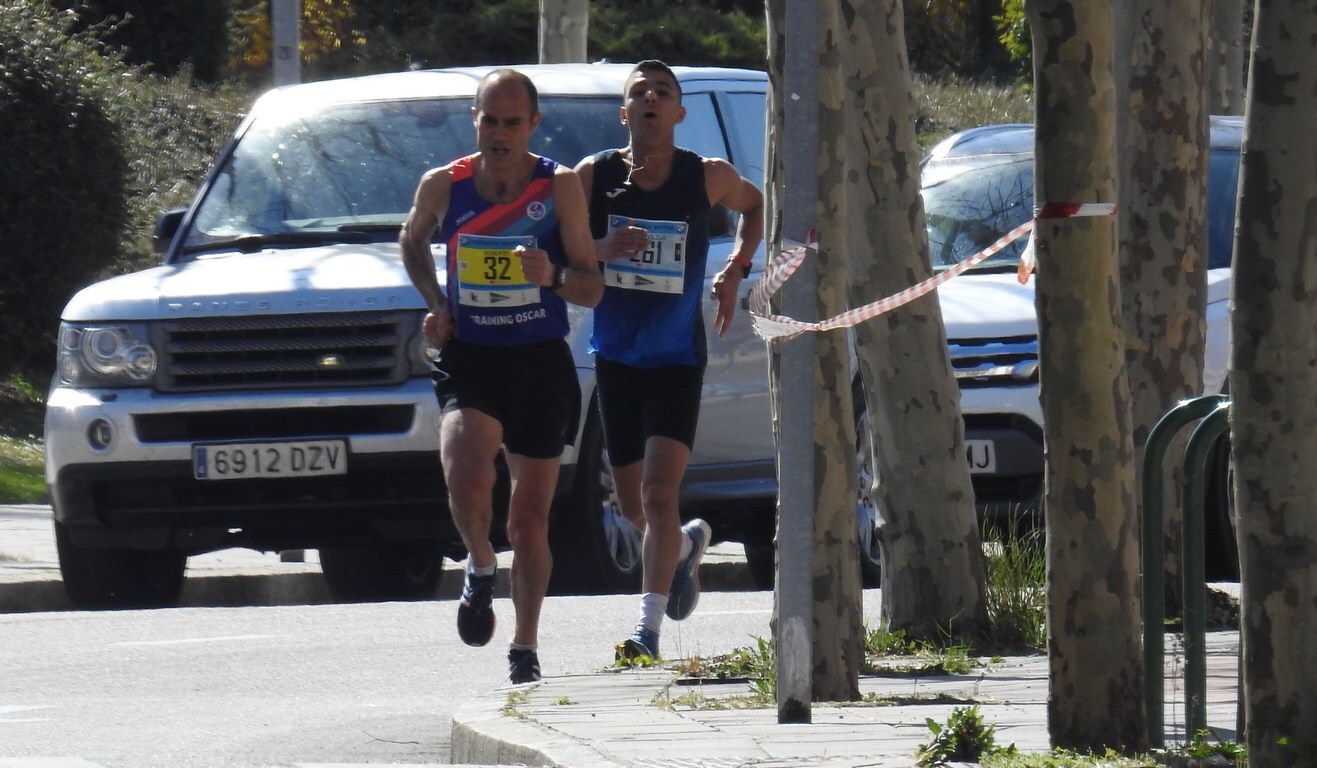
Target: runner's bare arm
{"points": [[428, 208], [583, 285], [727, 187]]}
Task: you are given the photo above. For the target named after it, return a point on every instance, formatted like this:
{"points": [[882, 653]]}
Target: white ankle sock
{"points": [[686, 547], [652, 606]]}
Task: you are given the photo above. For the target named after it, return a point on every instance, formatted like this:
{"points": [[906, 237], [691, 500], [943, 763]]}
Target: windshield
{"points": [[970, 202], [354, 167]]}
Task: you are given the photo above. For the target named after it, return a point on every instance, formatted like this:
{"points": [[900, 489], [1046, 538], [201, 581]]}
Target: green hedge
{"points": [[61, 176], [94, 149]]}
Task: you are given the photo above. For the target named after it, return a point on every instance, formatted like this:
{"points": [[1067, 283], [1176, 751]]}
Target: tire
{"points": [[596, 551], [866, 506], [116, 579], [1221, 548], [381, 573]]}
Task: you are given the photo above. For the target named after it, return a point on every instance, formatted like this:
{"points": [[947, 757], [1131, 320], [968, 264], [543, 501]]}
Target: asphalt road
{"points": [[296, 685]]}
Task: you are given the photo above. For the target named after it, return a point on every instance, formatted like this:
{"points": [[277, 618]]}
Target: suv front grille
{"points": [[1008, 362], [282, 351]]}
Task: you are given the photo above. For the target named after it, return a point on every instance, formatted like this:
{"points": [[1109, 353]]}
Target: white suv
{"points": [[977, 186], [267, 385]]}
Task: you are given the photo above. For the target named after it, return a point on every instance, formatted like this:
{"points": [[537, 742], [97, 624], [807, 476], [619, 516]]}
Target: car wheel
{"points": [[1221, 548], [112, 579], [866, 507], [382, 572], [596, 551]]}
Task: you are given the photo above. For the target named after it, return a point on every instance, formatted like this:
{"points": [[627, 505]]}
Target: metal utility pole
{"points": [[794, 597], [287, 61], [563, 30]]}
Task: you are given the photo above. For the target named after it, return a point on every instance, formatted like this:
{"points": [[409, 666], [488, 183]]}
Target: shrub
{"points": [[61, 174], [94, 150]]}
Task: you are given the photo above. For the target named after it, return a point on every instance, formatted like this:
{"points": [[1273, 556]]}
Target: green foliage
{"points": [[61, 173], [82, 171], [955, 38], [755, 664], [1303, 749], [164, 36], [947, 106], [425, 34], [919, 657], [193, 121], [687, 33], [1207, 744], [964, 738], [1016, 575], [1013, 32]]}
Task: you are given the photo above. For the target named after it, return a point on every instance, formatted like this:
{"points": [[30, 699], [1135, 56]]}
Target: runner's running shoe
{"points": [[685, 591], [642, 643], [523, 666], [475, 614]]}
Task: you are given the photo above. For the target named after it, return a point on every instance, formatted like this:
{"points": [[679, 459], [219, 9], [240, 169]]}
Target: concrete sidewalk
{"points": [[653, 718]]}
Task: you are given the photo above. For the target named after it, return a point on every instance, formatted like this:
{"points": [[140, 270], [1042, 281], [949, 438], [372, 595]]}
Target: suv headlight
{"points": [[97, 355], [420, 353]]}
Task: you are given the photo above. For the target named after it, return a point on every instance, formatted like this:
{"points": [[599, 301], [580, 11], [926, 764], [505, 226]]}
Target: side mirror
{"points": [[166, 226]]}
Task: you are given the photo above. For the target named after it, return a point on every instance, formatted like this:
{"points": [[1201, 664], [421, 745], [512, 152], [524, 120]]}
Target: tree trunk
{"points": [[932, 572], [1225, 67], [837, 610], [838, 601], [1273, 383], [563, 30], [1095, 696], [1163, 233]]}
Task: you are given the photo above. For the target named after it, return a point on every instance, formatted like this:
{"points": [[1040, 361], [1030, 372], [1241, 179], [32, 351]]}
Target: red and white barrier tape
{"points": [[777, 327]]}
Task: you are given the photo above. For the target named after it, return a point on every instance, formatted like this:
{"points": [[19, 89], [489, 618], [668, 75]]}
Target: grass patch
{"points": [[1015, 568], [513, 706], [22, 472], [22, 460], [892, 654]]}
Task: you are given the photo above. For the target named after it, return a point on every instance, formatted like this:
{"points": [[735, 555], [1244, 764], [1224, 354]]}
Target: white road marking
{"points": [[46, 762], [10, 709], [193, 640], [6, 709]]}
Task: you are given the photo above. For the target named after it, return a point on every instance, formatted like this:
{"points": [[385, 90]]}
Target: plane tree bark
{"points": [[1163, 230], [1273, 384], [1094, 612], [932, 561]]}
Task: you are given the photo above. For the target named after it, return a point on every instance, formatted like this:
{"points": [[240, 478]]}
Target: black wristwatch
{"points": [[559, 278]]}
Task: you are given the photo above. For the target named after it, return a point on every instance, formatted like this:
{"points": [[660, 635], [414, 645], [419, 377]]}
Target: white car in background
{"points": [[977, 186]]}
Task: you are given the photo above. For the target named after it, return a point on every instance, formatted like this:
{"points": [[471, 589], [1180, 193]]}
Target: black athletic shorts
{"points": [[531, 389], [640, 403]]}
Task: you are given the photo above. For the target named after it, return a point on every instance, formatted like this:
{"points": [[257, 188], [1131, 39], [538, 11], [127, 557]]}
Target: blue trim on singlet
{"points": [[532, 214]]}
